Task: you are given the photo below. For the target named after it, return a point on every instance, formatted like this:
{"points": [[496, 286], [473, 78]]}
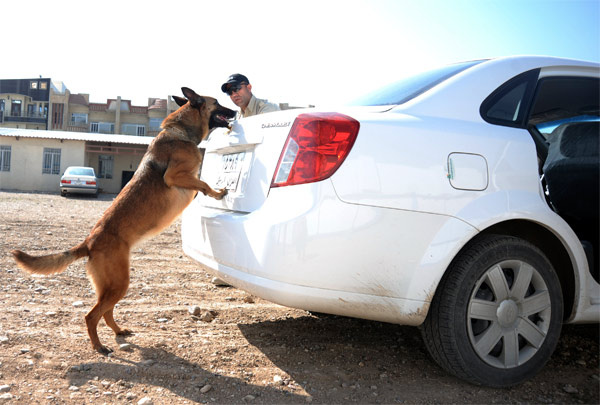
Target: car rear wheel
{"points": [[497, 314]]}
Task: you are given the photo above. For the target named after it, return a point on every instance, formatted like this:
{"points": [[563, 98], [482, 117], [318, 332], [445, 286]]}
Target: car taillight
{"points": [[90, 183], [317, 145], [65, 181]]}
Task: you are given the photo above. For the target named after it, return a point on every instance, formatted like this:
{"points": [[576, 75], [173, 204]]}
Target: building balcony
{"points": [[30, 118]]}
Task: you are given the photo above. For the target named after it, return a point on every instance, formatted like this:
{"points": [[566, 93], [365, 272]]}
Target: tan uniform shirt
{"points": [[257, 106]]}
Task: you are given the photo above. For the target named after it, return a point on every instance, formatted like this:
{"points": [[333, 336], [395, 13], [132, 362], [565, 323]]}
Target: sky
{"points": [[300, 52]]}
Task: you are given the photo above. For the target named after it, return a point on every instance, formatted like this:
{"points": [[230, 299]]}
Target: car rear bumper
{"points": [[305, 248], [364, 306], [79, 189]]}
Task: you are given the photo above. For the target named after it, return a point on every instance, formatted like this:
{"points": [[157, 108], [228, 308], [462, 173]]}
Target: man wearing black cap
{"points": [[239, 89]]}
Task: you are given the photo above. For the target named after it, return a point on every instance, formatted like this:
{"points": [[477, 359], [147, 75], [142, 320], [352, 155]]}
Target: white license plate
{"points": [[79, 182], [231, 168]]}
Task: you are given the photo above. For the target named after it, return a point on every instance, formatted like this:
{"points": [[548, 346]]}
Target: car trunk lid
{"points": [[301, 145], [243, 160]]}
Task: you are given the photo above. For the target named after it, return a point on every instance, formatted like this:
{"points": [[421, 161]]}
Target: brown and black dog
{"points": [[165, 182]]}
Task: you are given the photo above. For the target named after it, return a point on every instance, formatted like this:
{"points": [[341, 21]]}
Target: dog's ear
{"points": [[194, 99], [179, 100]]}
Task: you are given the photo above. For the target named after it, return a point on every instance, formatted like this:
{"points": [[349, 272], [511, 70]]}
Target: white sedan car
{"points": [[463, 200], [80, 180]]}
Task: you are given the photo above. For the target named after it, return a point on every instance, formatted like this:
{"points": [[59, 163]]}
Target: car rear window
{"points": [[406, 89], [80, 171]]}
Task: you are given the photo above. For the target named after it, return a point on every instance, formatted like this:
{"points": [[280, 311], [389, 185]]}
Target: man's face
{"points": [[240, 94]]}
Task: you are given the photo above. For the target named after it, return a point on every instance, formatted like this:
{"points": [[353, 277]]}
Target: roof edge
{"points": [[76, 136]]}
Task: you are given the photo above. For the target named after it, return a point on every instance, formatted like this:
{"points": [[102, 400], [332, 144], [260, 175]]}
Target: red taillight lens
{"points": [[90, 183], [317, 145], [65, 181]]}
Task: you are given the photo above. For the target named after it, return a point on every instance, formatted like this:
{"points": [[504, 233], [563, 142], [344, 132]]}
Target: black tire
{"points": [[497, 314]]}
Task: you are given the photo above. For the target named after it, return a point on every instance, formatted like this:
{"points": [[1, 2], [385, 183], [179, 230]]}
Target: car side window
{"points": [[508, 105]]}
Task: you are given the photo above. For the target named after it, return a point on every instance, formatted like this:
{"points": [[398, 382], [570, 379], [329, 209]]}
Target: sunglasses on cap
{"points": [[234, 88]]}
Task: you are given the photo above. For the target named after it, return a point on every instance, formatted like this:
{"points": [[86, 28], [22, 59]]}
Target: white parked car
{"points": [[79, 180], [463, 200]]}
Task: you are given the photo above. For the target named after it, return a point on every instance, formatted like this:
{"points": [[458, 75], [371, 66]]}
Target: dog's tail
{"points": [[50, 264]]}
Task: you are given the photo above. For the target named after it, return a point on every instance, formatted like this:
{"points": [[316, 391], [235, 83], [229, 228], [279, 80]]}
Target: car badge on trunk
{"points": [[276, 125]]}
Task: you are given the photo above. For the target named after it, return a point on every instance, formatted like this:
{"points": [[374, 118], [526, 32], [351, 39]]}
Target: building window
{"points": [[133, 129], [15, 108], [33, 85], [51, 163], [105, 166], [155, 124], [79, 118], [57, 115], [5, 158], [102, 127]]}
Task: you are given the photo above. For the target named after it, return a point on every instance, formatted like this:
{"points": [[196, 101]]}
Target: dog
{"points": [[166, 181]]}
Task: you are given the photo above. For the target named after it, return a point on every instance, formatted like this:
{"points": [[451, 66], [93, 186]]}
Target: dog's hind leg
{"points": [[110, 321], [111, 279], [92, 319]]}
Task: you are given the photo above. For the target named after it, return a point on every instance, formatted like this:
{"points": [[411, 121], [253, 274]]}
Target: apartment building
{"points": [[24, 103], [44, 104]]}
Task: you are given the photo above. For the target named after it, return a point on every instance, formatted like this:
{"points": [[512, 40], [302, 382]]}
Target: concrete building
{"points": [[48, 105], [34, 160], [24, 103]]}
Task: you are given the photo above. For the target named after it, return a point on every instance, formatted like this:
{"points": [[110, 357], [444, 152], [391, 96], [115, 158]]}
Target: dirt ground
{"points": [[195, 342]]}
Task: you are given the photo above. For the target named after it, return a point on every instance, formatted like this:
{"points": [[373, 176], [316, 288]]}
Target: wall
{"points": [[27, 160], [27, 156]]}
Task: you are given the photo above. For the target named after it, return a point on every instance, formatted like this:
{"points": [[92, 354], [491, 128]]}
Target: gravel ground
{"points": [[195, 342]]}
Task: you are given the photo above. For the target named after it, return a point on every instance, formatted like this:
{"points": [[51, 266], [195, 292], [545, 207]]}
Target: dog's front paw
{"points": [[221, 194], [124, 332]]}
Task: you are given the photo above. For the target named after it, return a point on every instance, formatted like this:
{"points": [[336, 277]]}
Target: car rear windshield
{"points": [[406, 89], [80, 171]]}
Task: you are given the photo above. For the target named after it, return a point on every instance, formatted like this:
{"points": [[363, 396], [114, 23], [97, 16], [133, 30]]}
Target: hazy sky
{"points": [[301, 52]]}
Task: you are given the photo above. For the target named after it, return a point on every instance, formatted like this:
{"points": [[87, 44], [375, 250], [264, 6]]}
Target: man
{"points": [[239, 89]]}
